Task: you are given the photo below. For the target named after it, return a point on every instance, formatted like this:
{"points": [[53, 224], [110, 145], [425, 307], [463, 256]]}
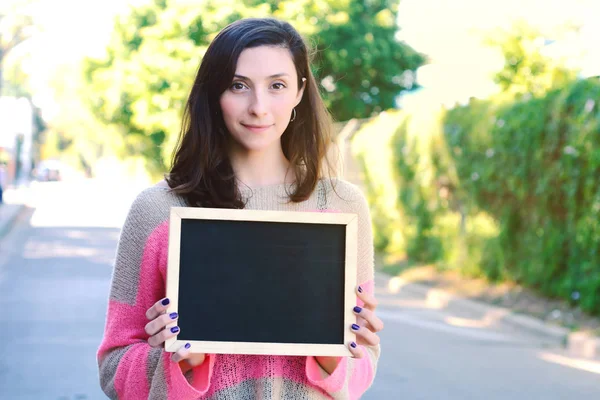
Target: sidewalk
{"points": [[8, 215], [16, 199], [577, 344]]}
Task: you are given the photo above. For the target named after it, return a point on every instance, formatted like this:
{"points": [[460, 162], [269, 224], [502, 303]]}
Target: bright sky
{"points": [[446, 30], [449, 31], [69, 30]]}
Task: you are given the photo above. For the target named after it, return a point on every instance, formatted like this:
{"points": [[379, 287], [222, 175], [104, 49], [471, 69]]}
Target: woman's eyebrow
{"points": [[269, 77]]}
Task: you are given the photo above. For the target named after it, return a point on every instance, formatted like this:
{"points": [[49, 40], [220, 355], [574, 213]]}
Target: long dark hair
{"points": [[201, 171]]}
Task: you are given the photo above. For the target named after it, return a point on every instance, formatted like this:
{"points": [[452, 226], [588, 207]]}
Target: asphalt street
{"points": [[55, 269]]}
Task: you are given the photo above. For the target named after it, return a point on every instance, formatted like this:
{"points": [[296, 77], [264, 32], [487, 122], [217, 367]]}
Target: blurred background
{"points": [[472, 126]]}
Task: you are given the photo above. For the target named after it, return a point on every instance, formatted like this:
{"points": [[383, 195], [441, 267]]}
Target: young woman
{"points": [[255, 135]]}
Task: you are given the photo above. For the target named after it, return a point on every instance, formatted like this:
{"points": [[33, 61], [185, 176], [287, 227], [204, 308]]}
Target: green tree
{"points": [[16, 27], [141, 85], [361, 65], [527, 69], [74, 134]]}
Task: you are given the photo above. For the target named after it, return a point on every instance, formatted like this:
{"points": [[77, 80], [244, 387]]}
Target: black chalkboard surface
{"points": [[262, 282]]}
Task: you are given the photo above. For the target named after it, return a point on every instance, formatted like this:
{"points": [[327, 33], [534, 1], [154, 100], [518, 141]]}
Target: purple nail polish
{"points": [[355, 327], [165, 302], [357, 309], [173, 315], [187, 345], [175, 329], [353, 345], [359, 289]]}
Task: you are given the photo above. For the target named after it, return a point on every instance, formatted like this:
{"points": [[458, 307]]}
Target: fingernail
{"points": [[359, 289], [357, 309], [175, 329], [173, 315], [353, 345], [165, 302], [355, 327], [187, 345]]}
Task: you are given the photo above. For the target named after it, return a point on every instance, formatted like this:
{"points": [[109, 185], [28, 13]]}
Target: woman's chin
{"points": [[254, 147]]}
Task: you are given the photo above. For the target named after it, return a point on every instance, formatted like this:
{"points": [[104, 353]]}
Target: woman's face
{"points": [[257, 107]]}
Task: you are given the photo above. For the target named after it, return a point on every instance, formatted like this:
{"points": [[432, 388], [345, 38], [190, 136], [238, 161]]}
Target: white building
{"points": [[16, 135]]}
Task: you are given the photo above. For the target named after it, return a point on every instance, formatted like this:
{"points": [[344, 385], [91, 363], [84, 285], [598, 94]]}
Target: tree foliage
{"points": [[16, 27], [527, 69], [140, 87], [507, 188]]}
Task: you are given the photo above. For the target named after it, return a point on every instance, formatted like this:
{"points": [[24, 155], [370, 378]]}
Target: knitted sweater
{"points": [[131, 369]]}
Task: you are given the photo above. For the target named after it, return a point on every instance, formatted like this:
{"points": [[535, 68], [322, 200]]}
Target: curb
{"points": [[584, 345], [577, 344], [8, 215]]}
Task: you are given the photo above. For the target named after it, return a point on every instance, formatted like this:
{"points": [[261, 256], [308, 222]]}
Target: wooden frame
{"points": [[292, 349]]}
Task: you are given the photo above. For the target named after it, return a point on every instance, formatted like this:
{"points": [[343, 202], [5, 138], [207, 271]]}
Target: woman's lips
{"points": [[257, 128]]}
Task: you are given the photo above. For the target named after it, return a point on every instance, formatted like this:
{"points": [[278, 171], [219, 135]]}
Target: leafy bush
{"points": [[505, 189]]}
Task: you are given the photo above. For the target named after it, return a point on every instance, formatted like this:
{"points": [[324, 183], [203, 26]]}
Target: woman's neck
{"points": [[255, 169]]}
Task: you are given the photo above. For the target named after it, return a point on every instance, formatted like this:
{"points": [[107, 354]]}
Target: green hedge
{"points": [[371, 150], [536, 170], [437, 226], [509, 190]]}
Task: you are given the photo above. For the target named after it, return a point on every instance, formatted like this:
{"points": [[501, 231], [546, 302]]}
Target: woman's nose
{"points": [[258, 104]]}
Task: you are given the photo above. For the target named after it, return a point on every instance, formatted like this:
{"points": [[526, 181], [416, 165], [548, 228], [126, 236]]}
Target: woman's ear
{"points": [[301, 91]]}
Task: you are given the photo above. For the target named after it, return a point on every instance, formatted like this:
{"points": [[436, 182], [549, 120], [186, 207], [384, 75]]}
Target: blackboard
{"points": [[262, 282]]}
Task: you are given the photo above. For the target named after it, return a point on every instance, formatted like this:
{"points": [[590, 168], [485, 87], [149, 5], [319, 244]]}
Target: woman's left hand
{"points": [[366, 328], [367, 323]]}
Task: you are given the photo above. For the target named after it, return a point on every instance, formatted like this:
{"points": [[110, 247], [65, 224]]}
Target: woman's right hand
{"points": [[159, 333]]}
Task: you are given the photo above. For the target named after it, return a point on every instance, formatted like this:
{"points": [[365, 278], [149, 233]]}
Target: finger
{"points": [[368, 299], [156, 325], [167, 333], [355, 350], [196, 359], [364, 336], [158, 308], [182, 353], [369, 316]]}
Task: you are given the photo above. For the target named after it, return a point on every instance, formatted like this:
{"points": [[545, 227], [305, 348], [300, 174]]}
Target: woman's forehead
{"points": [[265, 62]]}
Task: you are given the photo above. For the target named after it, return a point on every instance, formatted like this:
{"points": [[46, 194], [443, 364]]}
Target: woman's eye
{"points": [[278, 85], [238, 86]]}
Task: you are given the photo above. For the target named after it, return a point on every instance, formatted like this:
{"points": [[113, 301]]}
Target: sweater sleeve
{"points": [[353, 376], [129, 368]]}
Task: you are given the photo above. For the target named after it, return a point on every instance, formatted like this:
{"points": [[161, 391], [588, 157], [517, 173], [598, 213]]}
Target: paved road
{"points": [[55, 269], [431, 354]]}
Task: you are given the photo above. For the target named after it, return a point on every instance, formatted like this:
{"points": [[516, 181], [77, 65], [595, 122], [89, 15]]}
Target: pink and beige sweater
{"points": [[130, 369]]}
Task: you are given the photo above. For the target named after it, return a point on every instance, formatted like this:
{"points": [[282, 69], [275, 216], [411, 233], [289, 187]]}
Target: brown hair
{"points": [[201, 171]]}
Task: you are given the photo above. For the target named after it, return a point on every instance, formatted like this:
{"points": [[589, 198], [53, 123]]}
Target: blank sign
{"points": [[262, 282]]}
